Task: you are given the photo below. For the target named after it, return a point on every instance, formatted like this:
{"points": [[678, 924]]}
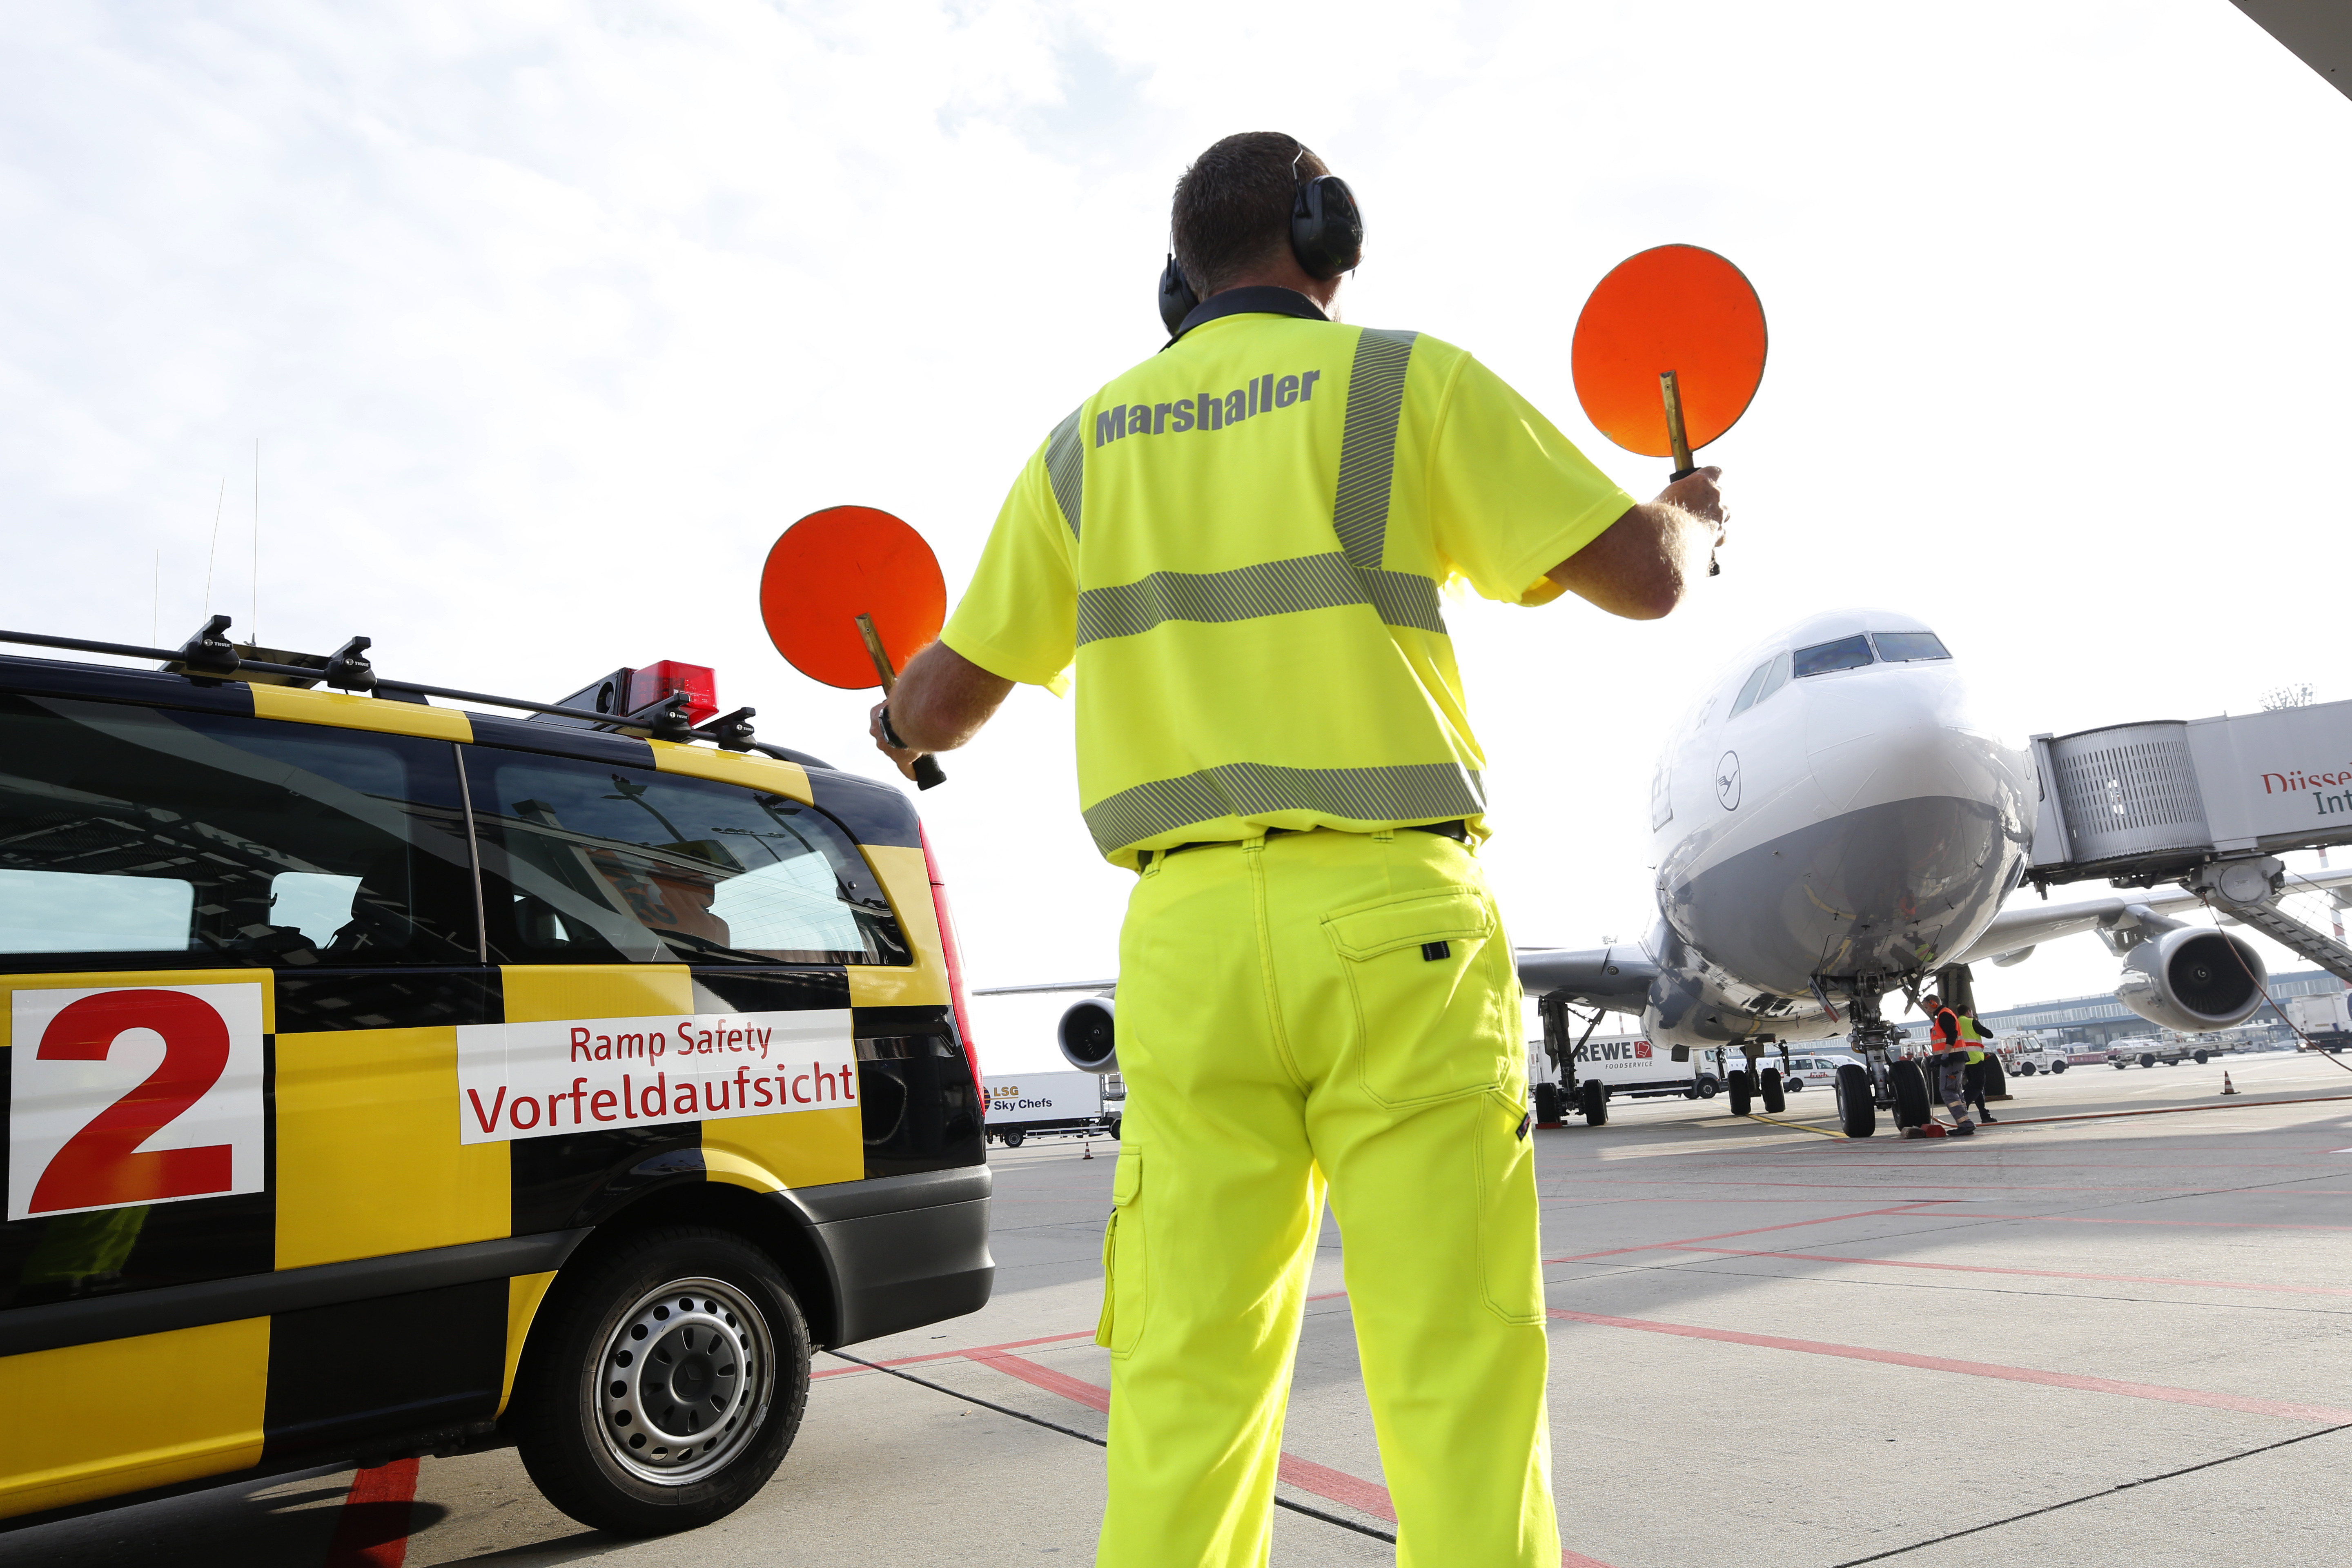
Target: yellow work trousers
{"points": [[1341, 1010]]}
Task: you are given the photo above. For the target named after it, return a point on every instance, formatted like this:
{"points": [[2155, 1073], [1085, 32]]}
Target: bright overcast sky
{"points": [[549, 317]]}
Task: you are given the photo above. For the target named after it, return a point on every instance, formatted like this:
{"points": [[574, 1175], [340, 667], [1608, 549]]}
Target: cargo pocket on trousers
{"points": [[1430, 1003], [1510, 1240], [1125, 1272]]}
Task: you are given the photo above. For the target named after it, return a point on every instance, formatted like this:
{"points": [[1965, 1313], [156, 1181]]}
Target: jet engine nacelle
{"points": [[1086, 1036], [2191, 980]]}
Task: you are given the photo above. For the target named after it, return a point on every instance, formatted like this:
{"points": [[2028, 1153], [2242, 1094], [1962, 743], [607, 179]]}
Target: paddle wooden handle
{"points": [[1670, 388], [927, 772]]}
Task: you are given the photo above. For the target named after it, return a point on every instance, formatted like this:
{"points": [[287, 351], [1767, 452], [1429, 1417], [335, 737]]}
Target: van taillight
{"points": [[954, 955]]}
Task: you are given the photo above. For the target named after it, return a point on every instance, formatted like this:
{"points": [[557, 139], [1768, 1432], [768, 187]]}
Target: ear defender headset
{"points": [[1327, 236]]}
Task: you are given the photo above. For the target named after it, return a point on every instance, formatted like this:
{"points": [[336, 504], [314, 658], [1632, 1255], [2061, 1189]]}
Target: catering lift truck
{"points": [[1048, 1104]]}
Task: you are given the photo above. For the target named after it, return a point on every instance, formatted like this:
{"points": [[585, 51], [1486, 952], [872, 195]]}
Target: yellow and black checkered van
{"points": [[388, 1079]]}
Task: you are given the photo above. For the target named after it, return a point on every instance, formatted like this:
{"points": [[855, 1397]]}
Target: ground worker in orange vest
{"points": [[1948, 1039]]}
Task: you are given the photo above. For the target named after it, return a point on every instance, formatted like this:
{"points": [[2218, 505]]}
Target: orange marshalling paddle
{"points": [[848, 596], [1669, 352]]}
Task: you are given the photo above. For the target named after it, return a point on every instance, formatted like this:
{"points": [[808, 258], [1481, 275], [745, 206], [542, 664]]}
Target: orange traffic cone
{"points": [[2227, 1087], [1090, 1142]]}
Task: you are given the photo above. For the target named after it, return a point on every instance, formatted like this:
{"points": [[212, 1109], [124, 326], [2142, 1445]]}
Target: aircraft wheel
{"points": [[1774, 1099], [1012, 1136], [1858, 1117], [1596, 1103], [1547, 1106], [1910, 1094], [1114, 1128], [1740, 1087], [1996, 1079]]}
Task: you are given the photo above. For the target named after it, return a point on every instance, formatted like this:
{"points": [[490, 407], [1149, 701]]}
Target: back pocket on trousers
{"points": [[1429, 1000]]}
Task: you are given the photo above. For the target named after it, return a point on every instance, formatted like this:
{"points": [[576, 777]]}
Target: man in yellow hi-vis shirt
{"points": [[1238, 545]]}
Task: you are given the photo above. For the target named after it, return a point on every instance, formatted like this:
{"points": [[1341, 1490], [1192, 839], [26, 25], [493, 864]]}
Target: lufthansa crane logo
{"points": [[1727, 781]]}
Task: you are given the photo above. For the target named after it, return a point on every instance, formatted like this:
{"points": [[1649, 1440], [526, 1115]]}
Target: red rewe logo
{"points": [[134, 1096]]}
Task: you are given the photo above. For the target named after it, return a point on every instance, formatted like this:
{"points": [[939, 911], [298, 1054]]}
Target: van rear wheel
{"points": [[661, 1387]]}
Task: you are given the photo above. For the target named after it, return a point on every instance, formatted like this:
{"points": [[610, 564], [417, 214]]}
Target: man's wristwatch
{"points": [[888, 733]]}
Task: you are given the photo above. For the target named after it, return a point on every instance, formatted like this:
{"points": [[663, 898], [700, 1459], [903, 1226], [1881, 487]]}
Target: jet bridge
{"points": [[2207, 803]]}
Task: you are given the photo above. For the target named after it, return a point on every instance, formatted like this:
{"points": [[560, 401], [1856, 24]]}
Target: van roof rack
{"points": [[209, 657]]}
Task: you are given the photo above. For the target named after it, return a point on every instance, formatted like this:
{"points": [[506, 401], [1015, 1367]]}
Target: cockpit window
{"points": [[1901, 648], [1775, 678], [1748, 692], [1846, 653]]}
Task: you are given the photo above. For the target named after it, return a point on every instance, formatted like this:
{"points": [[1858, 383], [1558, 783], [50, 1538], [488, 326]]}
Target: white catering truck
{"points": [[1032, 1104], [2324, 1020]]}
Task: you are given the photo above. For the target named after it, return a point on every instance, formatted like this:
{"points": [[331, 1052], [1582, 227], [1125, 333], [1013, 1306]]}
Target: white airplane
{"points": [[1833, 823]]}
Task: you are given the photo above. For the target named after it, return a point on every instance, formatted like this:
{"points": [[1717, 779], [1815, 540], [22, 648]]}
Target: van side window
{"points": [[588, 863], [166, 840]]}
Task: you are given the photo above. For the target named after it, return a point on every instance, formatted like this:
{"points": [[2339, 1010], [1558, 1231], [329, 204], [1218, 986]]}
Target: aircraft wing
{"points": [[2015, 932], [1616, 978], [1102, 986]]}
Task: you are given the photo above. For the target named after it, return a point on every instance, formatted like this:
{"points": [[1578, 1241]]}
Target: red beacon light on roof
{"points": [[627, 691]]}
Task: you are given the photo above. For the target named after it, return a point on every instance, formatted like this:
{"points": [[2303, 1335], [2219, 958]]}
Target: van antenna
{"points": [[253, 619], [214, 554]]}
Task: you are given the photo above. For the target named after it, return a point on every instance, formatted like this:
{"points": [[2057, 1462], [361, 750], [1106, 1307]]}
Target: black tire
{"points": [[2148, 1058], [1548, 1104], [1595, 1102], [2059, 1067], [1910, 1085], [2118, 1063], [1707, 1086], [2202, 1057], [1774, 1101], [1114, 1127], [1995, 1079], [1858, 1117], [1012, 1136], [1791, 1084], [638, 1294], [2025, 1069], [1739, 1084]]}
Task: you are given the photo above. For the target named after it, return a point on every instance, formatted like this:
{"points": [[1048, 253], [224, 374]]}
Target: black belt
{"points": [[1457, 830]]}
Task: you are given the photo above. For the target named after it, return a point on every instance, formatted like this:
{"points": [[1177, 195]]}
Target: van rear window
{"points": [[180, 840], [586, 862]]}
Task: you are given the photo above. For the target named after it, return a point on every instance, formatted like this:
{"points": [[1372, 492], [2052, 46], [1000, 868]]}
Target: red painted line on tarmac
{"points": [[372, 1531], [1093, 1395], [2100, 1219], [2029, 1273], [1728, 1235], [1321, 1481], [2167, 1109], [954, 1356], [2323, 1413]]}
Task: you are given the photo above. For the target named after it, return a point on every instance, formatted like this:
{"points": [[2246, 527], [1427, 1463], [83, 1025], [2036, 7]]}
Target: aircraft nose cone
{"points": [[1901, 735]]}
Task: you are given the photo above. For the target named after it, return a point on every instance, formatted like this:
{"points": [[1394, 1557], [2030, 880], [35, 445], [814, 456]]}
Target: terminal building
{"points": [[2102, 1019]]}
